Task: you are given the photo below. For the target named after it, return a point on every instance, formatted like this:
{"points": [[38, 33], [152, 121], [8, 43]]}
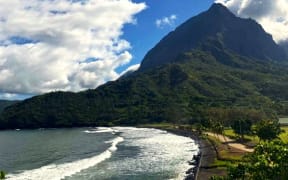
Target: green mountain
{"points": [[214, 60], [220, 27], [284, 45], [6, 103]]}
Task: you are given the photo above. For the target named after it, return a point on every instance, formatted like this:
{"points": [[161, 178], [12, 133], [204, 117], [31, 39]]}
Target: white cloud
{"points": [[48, 45], [272, 15], [166, 21], [131, 68]]}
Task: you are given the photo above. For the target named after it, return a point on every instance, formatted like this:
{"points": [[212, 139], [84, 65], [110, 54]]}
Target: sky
{"points": [[74, 45]]}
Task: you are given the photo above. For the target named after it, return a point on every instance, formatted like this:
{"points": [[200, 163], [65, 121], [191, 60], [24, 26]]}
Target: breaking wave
{"points": [[60, 171]]}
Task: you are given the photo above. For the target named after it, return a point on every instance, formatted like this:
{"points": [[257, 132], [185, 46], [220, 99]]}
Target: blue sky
{"points": [[39, 60], [74, 45], [145, 34]]}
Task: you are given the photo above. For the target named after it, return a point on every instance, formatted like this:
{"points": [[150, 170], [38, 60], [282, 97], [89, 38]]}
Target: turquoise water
{"points": [[95, 153]]}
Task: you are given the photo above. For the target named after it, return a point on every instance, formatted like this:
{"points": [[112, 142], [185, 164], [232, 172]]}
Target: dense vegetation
{"points": [[269, 161], [269, 158], [6, 103], [177, 92]]}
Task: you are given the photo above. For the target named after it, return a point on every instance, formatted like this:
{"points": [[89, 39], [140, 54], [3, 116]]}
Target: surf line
{"points": [[60, 171]]}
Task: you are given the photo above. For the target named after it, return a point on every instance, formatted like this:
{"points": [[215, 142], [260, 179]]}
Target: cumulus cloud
{"points": [[166, 21], [272, 15], [69, 45], [131, 68]]}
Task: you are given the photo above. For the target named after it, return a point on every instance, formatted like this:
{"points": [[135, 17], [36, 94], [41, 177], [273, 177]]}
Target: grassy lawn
{"points": [[222, 164], [247, 138], [226, 157], [230, 133], [255, 139], [225, 152]]}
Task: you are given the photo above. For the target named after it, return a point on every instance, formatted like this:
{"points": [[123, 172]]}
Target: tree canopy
{"points": [[268, 129], [269, 161]]}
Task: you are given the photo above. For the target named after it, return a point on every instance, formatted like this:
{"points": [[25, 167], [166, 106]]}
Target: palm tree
{"points": [[2, 175]]}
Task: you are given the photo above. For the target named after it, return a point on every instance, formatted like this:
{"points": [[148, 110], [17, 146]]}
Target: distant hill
{"points": [[284, 45], [6, 103], [214, 60]]}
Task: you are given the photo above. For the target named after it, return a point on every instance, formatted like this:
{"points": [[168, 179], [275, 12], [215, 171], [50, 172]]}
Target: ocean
{"points": [[95, 153]]}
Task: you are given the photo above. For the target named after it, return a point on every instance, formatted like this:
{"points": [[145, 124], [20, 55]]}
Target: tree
{"points": [[268, 129], [269, 161], [241, 127], [237, 172], [218, 128], [241, 120], [199, 128], [217, 118], [2, 175]]}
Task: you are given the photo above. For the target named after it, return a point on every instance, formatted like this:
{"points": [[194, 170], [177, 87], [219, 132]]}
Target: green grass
{"points": [[214, 140], [255, 139], [221, 163], [159, 125], [224, 153], [284, 136], [230, 133]]}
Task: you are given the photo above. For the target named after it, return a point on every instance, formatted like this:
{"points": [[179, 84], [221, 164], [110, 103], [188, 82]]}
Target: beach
{"points": [[208, 154]]}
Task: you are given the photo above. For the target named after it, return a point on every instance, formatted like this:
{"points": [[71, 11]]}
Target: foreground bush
{"points": [[269, 161]]}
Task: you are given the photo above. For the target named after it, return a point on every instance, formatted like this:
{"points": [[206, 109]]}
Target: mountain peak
{"points": [[218, 8], [220, 26]]}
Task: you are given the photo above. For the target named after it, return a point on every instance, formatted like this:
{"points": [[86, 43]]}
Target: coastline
{"points": [[203, 167], [207, 156]]}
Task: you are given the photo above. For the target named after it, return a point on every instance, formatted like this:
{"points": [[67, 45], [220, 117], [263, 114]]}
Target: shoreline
{"points": [[203, 160]]}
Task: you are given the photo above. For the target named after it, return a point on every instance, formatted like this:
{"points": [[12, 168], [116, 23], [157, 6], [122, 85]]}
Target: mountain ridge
{"points": [[221, 25]]}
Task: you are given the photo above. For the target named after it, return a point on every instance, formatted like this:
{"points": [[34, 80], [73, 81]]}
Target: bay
{"points": [[95, 153]]}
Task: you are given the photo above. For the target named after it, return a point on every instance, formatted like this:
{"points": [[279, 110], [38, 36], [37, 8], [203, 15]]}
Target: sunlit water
{"points": [[95, 153]]}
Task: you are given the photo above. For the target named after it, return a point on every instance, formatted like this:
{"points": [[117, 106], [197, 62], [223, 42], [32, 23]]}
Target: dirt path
{"points": [[230, 142]]}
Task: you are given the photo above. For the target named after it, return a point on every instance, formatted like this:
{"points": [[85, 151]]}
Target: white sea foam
{"points": [[159, 151], [58, 172], [100, 130]]}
